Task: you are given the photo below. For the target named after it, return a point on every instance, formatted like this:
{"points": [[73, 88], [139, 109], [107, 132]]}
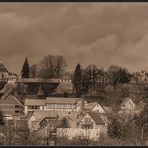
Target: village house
{"points": [[128, 105], [94, 106], [61, 104], [36, 117], [5, 75], [92, 120], [11, 78], [34, 104], [3, 71], [76, 125], [11, 105], [89, 125], [53, 104], [75, 121]]}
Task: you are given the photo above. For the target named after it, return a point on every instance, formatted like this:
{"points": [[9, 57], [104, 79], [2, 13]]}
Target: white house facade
{"points": [[128, 105], [52, 104]]}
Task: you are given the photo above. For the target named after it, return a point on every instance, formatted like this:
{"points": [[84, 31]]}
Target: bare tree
{"points": [[114, 76], [33, 70], [9, 132], [51, 67]]}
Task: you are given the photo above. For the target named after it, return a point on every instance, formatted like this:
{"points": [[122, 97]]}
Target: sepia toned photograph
{"points": [[74, 74]]}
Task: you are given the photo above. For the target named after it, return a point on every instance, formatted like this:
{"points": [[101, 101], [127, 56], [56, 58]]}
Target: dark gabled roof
{"points": [[96, 117], [3, 68]]}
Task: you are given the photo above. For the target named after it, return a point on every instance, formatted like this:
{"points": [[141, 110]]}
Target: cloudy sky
{"points": [[89, 33]]}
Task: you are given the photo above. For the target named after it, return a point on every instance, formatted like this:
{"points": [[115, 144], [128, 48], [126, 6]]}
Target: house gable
{"points": [[86, 116], [79, 102], [78, 108], [128, 105], [98, 108], [3, 68], [94, 118]]}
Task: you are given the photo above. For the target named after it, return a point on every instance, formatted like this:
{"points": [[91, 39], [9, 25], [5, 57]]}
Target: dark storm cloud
{"points": [[99, 33]]}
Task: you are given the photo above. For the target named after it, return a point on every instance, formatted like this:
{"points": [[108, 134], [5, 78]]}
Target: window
{"points": [[87, 119], [17, 111], [16, 106], [48, 105], [36, 107], [70, 105], [2, 75], [67, 105], [33, 107]]}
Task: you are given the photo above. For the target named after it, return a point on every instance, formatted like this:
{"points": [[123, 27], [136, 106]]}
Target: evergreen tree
{"points": [[25, 69], [77, 81]]}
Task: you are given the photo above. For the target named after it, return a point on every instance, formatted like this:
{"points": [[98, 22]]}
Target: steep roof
{"points": [[72, 119], [107, 109], [63, 100], [96, 117], [43, 123], [3, 68], [35, 101], [126, 100], [9, 99], [90, 106], [41, 114]]}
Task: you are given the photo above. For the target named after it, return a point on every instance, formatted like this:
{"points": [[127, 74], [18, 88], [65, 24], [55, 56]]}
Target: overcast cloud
{"points": [[89, 33]]}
